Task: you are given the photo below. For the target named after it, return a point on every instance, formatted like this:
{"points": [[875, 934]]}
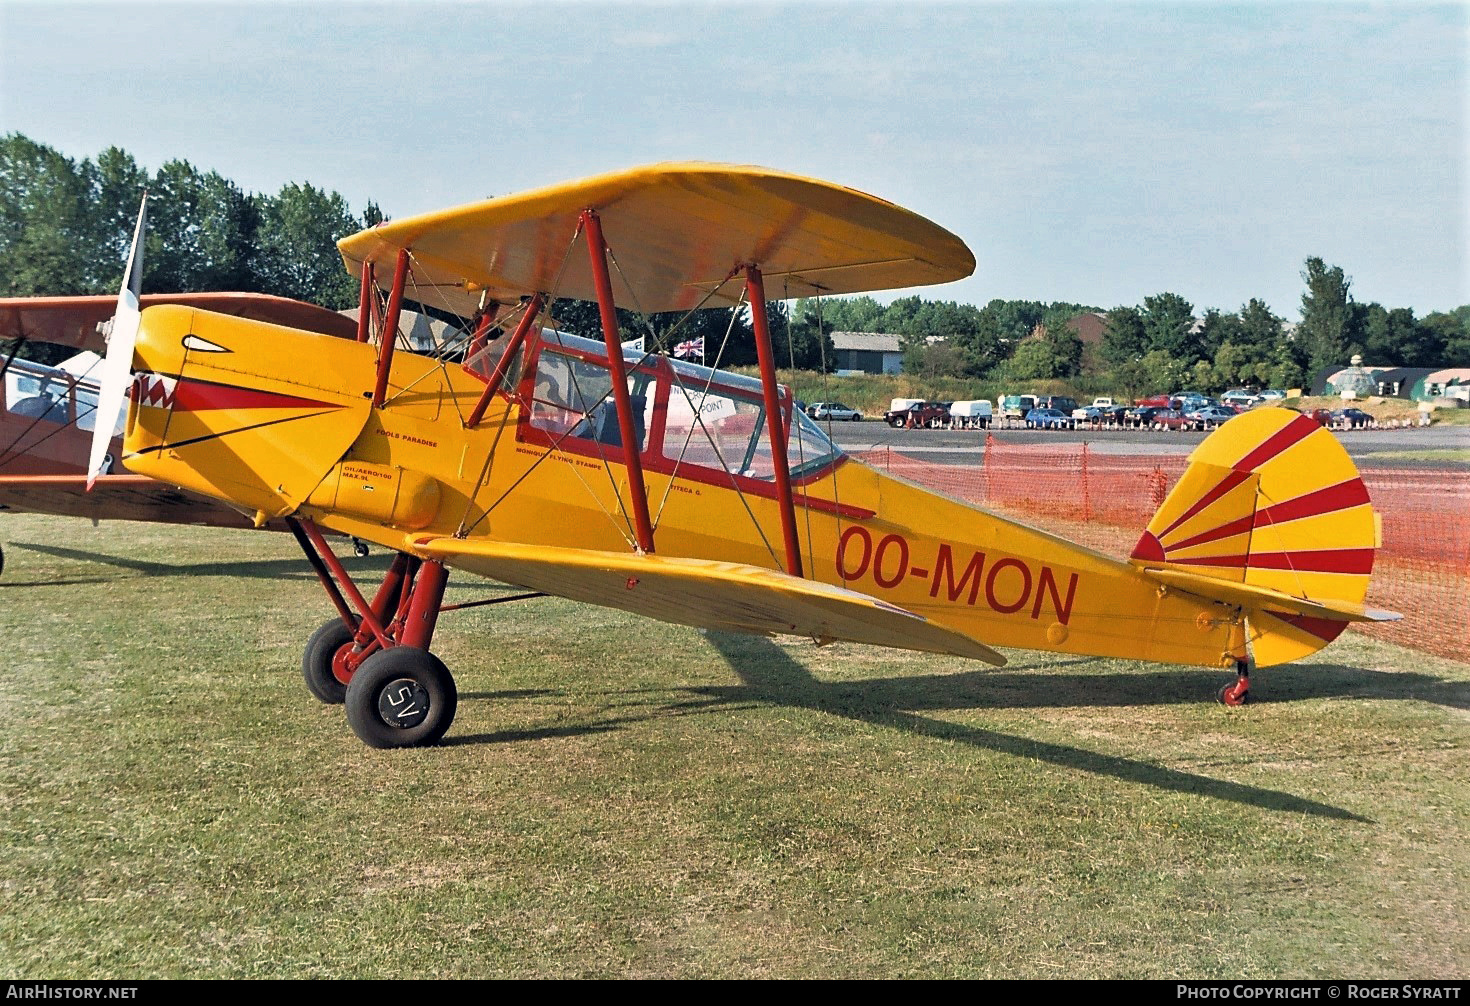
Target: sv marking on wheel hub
{"points": [[403, 703]]}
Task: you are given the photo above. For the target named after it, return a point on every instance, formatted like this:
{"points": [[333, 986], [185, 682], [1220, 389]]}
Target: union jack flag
{"points": [[694, 347]]}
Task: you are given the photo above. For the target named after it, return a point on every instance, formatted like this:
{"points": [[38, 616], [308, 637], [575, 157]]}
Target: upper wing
{"points": [[73, 321], [676, 231], [705, 593], [114, 497]]}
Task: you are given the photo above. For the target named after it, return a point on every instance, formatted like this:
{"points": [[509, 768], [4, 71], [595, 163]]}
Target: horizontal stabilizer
{"points": [[1248, 595], [705, 593]]}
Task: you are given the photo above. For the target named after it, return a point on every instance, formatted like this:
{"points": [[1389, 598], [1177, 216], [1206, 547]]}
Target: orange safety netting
{"points": [[1104, 501]]}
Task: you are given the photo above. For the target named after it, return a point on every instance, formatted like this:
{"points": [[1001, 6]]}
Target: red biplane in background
{"points": [[602, 473]]}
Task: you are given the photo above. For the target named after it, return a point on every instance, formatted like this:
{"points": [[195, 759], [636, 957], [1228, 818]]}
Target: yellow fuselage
{"points": [[278, 421]]}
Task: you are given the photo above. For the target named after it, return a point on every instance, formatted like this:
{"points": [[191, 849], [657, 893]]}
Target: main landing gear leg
{"points": [[1238, 692], [376, 660]]}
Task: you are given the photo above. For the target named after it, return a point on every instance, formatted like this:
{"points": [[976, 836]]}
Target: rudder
{"points": [[1270, 509]]}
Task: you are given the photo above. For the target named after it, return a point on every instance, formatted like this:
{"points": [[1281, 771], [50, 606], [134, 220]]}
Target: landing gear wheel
{"points": [[1236, 693], [316, 662], [400, 698]]}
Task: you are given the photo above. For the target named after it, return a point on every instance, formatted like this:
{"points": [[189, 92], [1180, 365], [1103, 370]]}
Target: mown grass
{"points": [[623, 798]]}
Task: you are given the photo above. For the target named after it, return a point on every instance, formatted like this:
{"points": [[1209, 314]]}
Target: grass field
{"points": [[623, 798]]}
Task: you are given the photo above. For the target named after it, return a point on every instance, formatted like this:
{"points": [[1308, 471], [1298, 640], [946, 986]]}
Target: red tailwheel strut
{"points": [[1238, 692]]}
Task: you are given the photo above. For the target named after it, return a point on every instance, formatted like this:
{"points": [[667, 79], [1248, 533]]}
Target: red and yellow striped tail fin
{"points": [[1272, 517]]}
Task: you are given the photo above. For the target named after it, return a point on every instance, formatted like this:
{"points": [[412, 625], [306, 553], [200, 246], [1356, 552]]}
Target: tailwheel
{"points": [[322, 665], [1238, 692], [401, 697]]}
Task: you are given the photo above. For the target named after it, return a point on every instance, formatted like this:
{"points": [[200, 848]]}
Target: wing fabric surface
{"points": [[676, 231], [705, 593]]}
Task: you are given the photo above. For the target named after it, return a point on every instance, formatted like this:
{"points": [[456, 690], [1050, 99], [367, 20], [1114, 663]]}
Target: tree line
{"points": [[65, 225]]}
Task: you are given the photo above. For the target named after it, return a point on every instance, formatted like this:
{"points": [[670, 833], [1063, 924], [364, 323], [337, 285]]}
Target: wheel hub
{"points": [[403, 703]]}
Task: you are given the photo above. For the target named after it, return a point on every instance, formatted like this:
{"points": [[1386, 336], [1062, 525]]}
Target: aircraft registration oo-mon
{"points": [[621, 477]]}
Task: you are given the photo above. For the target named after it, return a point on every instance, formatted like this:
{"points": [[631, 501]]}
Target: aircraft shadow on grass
{"points": [[768, 674], [264, 569]]}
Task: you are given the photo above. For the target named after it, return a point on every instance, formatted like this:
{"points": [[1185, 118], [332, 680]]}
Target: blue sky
{"points": [[1095, 152]]}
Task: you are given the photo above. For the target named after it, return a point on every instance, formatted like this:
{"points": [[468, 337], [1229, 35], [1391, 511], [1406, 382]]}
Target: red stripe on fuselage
{"points": [[206, 396]]}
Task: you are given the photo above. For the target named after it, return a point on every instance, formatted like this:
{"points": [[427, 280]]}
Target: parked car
{"points": [[1186, 401], [1115, 414], [922, 415], [1323, 417], [1087, 414], [1153, 401], [1141, 415], [1351, 418], [833, 411], [1048, 419], [1062, 403], [1239, 396], [1172, 419], [1273, 395], [1212, 415]]}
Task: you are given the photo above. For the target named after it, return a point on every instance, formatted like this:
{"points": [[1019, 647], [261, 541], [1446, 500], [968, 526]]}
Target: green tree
{"points": [[1124, 339], [1216, 329], [201, 234], [118, 184], [1051, 353], [1167, 321], [1328, 323], [44, 221], [297, 246], [1258, 326], [1451, 332]]}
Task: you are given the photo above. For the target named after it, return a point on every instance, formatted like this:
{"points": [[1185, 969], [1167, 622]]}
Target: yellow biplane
{"points": [[621, 477]]}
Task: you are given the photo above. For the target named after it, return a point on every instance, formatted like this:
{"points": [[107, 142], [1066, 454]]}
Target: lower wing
{"points": [[706, 593], [114, 497]]}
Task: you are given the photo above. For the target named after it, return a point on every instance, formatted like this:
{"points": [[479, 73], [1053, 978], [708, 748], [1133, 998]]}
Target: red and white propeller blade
{"points": [[117, 366]]}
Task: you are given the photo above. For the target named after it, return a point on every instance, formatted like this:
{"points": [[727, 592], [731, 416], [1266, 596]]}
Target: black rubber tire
{"points": [[390, 672], [316, 661]]}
